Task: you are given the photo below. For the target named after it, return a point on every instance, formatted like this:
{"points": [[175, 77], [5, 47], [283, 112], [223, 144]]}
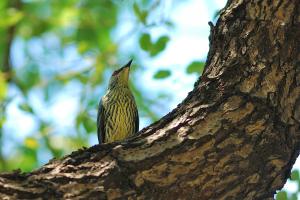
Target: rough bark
{"points": [[235, 136]]}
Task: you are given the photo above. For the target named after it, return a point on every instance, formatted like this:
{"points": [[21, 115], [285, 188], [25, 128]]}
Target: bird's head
{"points": [[120, 77]]}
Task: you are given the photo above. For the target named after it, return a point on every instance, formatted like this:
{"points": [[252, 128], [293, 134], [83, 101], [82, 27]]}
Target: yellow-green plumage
{"points": [[117, 115]]}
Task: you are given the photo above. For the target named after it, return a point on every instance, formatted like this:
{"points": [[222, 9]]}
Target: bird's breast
{"points": [[120, 113]]}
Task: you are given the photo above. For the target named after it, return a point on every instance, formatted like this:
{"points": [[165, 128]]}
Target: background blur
{"points": [[56, 58]]}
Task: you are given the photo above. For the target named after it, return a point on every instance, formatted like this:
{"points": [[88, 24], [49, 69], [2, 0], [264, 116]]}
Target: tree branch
{"points": [[235, 136]]}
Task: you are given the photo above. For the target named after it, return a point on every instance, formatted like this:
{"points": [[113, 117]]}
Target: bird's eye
{"points": [[116, 72]]}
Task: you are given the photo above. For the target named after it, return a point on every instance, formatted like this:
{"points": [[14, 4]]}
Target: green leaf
{"points": [[3, 87], [140, 14], [162, 42], [2, 121], [295, 175], [67, 17], [88, 124], [282, 195], [26, 107], [145, 41], [86, 121], [153, 48], [294, 197], [31, 143], [29, 76], [83, 46], [162, 74], [79, 120], [12, 16], [159, 45], [195, 67], [93, 102], [29, 158]]}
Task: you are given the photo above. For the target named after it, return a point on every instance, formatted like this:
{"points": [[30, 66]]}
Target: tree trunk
{"points": [[235, 136]]}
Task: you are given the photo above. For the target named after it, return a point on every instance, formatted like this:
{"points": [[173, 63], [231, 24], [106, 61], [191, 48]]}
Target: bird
{"points": [[117, 117]]}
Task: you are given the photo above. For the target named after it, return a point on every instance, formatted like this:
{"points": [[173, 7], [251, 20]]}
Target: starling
{"points": [[117, 117]]}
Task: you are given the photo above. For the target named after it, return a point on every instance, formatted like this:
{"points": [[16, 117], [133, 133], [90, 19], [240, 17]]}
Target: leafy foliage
{"points": [[145, 42], [195, 67], [162, 74], [3, 87], [285, 195], [282, 195], [37, 75], [153, 48], [140, 14]]}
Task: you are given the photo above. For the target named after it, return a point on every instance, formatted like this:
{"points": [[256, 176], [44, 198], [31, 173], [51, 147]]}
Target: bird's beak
{"points": [[128, 64], [126, 69]]}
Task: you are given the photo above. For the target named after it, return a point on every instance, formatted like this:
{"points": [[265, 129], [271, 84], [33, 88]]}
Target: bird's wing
{"points": [[100, 123], [137, 121]]}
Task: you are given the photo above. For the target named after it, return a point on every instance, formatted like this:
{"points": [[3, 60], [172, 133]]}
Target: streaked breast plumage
{"points": [[117, 114]]}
